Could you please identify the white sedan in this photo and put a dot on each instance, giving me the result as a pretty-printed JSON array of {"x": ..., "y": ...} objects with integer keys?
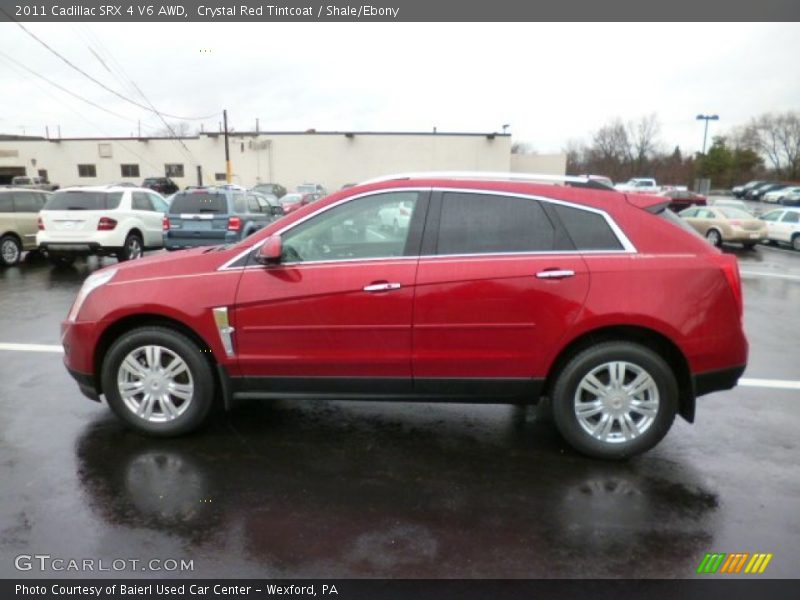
[
  {"x": 783, "y": 226},
  {"x": 775, "y": 195}
]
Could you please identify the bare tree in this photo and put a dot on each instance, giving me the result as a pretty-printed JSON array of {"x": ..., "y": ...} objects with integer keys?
[
  {"x": 777, "y": 137},
  {"x": 643, "y": 140},
  {"x": 175, "y": 129},
  {"x": 522, "y": 148}
]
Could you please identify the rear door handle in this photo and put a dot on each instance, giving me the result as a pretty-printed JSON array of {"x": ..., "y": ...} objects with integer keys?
[
  {"x": 555, "y": 274},
  {"x": 382, "y": 286}
]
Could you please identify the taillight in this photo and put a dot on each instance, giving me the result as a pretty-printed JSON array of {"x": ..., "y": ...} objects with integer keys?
[
  {"x": 165, "y": 223},
  {"x": 106, "y": 224},
  {"x": 40, "y": 224},
  {"x": 234, "y": 224},
  {"x": 730, "y": 267}
]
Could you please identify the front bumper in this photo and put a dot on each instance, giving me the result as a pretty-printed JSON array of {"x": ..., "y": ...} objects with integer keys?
[
  {"x": 86, "y": 384},
  {"x": 79, "y": 340}
]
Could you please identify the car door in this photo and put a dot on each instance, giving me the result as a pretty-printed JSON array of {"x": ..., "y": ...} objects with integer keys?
[
  {"x": 772, "y": 220},
  {"x": 151, "y": 221},
  {"x": 789, "y": 225},
  {"x": 498, "y": 285},
  {"x": 335, "y": 314}
]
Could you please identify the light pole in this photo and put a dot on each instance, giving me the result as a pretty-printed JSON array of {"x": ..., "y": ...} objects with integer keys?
[
  {"x": 706, "y": 118},
  {"x": 506, "y": 126}
]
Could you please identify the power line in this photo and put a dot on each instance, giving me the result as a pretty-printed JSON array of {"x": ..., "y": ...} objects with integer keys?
[
  {"x": 65, "y": 90},
  {"x": 98, "y": 82}
]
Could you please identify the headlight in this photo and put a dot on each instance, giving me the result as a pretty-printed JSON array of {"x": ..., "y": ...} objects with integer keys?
[{"x": 92, "y": 282}]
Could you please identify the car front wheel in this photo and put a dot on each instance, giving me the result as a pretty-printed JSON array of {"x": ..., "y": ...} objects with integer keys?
[
  {"x": 714, "y": 237},
  {"x": 157, "y": 380},
  {"x": 615, "y": 400}
]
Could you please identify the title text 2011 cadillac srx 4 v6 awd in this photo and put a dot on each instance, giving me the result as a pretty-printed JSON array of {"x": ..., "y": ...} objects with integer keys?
[{"x": 495, "y": 289}]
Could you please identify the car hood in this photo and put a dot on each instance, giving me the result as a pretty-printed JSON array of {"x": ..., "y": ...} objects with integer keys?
[{"x": 170, "y": 264}]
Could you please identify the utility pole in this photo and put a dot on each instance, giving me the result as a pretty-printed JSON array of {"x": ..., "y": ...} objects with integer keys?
[
  {"x": 47, "y": 131},
  {"x": 228, "y": 173},
  {"x": 706, "y": 118},
  {"x": 140, "y": 128},
  {"x": 256, "y": 125}
]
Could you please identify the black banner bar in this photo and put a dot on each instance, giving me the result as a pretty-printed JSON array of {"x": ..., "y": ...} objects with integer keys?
[{"x": 397, "y": 10}]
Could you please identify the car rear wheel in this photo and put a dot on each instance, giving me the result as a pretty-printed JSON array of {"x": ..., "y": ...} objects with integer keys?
[
  {"x": 10, "y": 250},
  {"x": 615, "y": 400},
  {"x": 157, "y": 380},
  {"x": 714, "y": 237},
  {"x": 132, "y": 249}
]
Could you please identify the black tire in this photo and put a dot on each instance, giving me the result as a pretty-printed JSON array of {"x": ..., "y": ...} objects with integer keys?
[
  {"x": 10, "y": 251},
  {"x": 202, "y": 397},
  {"x": 566, "y": 388},
  {"x": 133, "y": 248},
  {"x": 796, "y": 241},
  {"x": 749, "y": 245},
  {"x": 715, "y": 237},
  {"x": 61, "y": 260}
]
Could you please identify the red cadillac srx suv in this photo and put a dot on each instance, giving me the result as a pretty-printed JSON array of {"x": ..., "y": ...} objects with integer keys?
[{"x": 498, "y": 288}]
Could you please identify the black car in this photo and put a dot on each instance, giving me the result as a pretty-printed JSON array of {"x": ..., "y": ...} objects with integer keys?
[
  {"x": 274, "y": 189},
  {"x": 740, "y": 191},
  {"x": 163, "y": 185},
  {"x": 211, "y": 216},
  {"x": 757, "y": 192}
]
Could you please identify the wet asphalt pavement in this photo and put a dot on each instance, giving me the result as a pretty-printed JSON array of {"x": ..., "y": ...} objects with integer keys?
[{"x": 354, "y": 489}]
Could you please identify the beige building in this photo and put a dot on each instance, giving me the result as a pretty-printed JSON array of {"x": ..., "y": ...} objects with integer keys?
[{"x": 329, "y": 158}]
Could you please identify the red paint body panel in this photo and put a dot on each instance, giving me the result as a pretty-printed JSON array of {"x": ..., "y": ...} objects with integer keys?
[
  {"x": 317, "y": 320},
  {"x": 491, "y": 316}
]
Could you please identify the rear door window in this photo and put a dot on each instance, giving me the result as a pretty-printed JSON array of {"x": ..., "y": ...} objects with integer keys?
[
  {"x": 83, "y": 200},
  {"x": 473, "y": 223},
  {"x": 27, "y": 202},
  {"x": 141, "y": 201},
  {"x": 198, "y": 203}
]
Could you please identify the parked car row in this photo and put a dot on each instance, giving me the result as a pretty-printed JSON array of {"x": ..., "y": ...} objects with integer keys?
[{"x": 776, "y": 192}]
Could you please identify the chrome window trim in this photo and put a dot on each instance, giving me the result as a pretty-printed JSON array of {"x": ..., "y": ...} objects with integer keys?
[{"x": 627, "y": 245}]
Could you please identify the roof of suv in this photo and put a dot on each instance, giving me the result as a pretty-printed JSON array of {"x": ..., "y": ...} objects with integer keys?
[{"x": 104, "y": 188}]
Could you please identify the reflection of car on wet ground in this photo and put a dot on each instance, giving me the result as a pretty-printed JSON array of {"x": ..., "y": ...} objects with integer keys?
[
  {"x": 724, "y": 224},
  {"x": 322, "y": 304},
  {"x": 783, "y": 226},
  {"x": 283, "y": 502}
]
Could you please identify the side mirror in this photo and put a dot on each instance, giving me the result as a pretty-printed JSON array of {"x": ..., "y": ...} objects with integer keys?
[{"x": 270, "y": 251}]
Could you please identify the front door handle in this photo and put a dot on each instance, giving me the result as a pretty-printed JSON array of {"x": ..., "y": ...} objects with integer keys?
[
  {"x": 555, "y": 274},
  {"x": 382, "y": 286}
]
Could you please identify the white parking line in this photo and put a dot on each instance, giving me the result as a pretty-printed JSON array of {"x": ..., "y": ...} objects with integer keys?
[
  {"x": 781, "y": 384},
  {"x": 784, "y": 384},
  {"x": 767, "y": 274},
  {"x": 31, "y": 347}
]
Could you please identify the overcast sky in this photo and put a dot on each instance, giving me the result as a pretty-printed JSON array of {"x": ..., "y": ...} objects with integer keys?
[{"x": 550, "y": 82}]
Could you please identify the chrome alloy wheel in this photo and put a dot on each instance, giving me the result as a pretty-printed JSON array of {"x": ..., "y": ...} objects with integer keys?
[
  {"x": 10, "y": 251},
  {"x": 155, "y": 384},
  {"x": 133, "y": 247},
  {"x": 616, "y": 402}
]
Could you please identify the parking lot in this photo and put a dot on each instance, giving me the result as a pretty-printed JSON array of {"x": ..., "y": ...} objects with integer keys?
[{"x": 347, "y": 489}]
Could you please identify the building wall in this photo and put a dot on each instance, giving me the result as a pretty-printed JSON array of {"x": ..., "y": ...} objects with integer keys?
[
  {"x": 544, "y": 164},
  {"x": 331, "y": 159}
]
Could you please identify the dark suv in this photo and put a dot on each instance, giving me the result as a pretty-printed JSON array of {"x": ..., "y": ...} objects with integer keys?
[
  {"x": 211, "y": 216},
  {"x": 162, "y": 185}
]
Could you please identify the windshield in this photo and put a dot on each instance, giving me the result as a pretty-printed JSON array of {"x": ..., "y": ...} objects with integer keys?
[
  {"x": 198, "y": 202},
  {"x": 80, "y": 200}
]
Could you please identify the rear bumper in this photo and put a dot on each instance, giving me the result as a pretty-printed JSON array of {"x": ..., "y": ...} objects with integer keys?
[
  {"x": 190, "y": 241},
  {"x": 715, "y": 381}
]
